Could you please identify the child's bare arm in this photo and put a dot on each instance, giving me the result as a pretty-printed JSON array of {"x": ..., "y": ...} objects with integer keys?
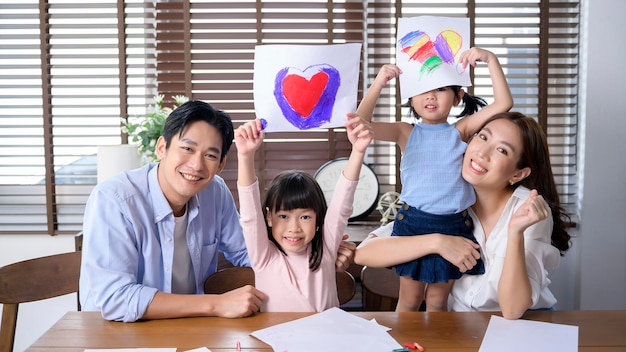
[
  {"x": 385, "y": 131},
  {"x": 367, "y": 105},
  {"x": 503, "y": 100}
]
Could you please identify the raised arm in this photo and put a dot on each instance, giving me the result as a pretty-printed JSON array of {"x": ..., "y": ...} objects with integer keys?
[
  {"x": 384, "y": 131},
  {"x": 514, "y": 288},
  {"x": 502, "y": 98},
  {"x": 248, "y": 138},
  {"x": 367, "y": 105},
  {"x": 360, "y": 135}
]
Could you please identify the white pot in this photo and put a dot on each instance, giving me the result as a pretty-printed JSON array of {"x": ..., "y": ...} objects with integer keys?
[{"x": 113, "y": 159}]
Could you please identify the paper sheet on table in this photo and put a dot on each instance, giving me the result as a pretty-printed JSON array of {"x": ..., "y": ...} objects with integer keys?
[
  {"x": 526, "y": 335},
  {"x": 130, "y": 349},
  {"x": 199, "y": 349},
  {"x": 331, "y": 330}
]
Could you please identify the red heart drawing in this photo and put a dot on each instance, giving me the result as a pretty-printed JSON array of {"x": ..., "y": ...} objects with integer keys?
[{"x": 302, "y": 94}]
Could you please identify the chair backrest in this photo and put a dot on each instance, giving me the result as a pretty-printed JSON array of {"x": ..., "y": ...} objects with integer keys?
[
  {"x": 78, "y": 246},
  {"x": 346, "y": 287},
  {"x": 380, "y": 289},
  {"x": 34, "y": 280},
  {"x": 231, "y": 278},
  {"x": 78, "y": 241},
  {"x": 222, "y": 262},
  {"x": 228, "y": 279}
]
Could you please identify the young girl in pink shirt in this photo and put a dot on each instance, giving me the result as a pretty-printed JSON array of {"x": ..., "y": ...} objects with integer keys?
[{"x": 293, "y": 238}]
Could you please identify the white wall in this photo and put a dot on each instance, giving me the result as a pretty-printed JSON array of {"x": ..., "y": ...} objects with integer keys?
[
  {"x": 592, "y": 274},
  {"x": 603, "y": 211}
]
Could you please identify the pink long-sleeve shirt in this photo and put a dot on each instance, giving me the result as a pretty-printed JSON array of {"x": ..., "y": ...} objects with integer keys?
[{"x": 286, "y": 279}]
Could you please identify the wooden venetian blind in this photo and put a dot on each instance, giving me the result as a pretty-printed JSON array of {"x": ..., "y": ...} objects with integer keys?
[
  {"x": 216, "y": 52},
  {"x": 537, "y": 44},
  {"x": 69, "y": 70}
]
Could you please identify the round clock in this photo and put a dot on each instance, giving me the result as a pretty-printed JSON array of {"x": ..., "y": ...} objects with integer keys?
[{"x": 366, "y": 194}]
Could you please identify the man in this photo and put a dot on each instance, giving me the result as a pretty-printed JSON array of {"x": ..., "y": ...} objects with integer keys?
[{"x": 152, "y": 235}]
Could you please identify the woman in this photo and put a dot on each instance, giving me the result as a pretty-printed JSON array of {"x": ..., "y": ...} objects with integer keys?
[{"x": 520, "y": 234}]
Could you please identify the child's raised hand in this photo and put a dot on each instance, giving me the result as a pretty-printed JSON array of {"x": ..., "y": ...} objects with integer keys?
[
  {"x": 360, "y": 132},
  {"x": 474, "y": 55},
  {"x": 249, "y": 136},
  {"x": 533, "y": 210},
  {"x": 387, "y": 73}
]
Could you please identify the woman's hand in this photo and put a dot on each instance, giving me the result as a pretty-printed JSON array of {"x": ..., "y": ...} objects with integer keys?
[
  {"x": 533, "y": 210},
  {"x": 460, "y": 251}
]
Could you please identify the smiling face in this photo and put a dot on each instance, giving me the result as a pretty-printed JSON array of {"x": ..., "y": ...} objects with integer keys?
[
  {"x": 492, "y": 156},
  {"x": 190, "y": 163},
  {"x": 292, "y": 229},
  {"x": 434, "y": 106},
  {"x": 294, "y": 209}
]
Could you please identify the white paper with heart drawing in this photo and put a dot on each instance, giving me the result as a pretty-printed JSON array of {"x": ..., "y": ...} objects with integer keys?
[
  {"x": 427, "y": 51},
  {"x": 304, "y": 87}
]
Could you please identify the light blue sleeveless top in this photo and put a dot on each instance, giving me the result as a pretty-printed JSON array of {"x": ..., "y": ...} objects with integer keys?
[{"x": 430, "y": 170}]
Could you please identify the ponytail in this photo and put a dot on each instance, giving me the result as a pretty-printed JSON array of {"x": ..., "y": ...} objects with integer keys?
[{"x": 471, "y": 104}]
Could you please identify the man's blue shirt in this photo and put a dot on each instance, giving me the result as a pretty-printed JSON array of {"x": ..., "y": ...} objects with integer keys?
[{"x": 128, "y": 245}]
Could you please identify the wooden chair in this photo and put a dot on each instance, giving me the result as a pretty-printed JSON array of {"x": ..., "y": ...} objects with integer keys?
[
  {"x": 346, "y": 287},
  {"x": 231, "y": 278},
  {"x": 78, "y": 246},
  {"x": 34, "y": 280},
  {"x": 380, "y": 289},
  {"x": 222, "y": 262},
  {"x": 78, "y": 241},
  {"x": 228, "y": 279}
]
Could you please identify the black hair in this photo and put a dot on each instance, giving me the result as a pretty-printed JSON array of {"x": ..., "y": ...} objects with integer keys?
[
  {"x": 196, "y": 110},
  {"x": 471, "y": 104},
  {"x": 294, "y": 189}
]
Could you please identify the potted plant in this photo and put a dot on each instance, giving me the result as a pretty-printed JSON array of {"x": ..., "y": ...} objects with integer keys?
[{"x": 145, "y": 130}]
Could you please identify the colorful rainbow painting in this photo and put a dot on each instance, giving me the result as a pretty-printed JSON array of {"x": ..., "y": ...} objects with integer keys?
[
  {"x": 307, "y": 97},
  {"x": 431, "y": 55}
]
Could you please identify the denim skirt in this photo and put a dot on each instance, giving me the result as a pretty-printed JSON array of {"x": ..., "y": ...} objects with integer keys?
[{"x": 433, "y": 268}]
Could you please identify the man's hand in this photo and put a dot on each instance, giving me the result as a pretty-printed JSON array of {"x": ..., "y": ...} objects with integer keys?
[
  {"x": 345, "y": 255},
  {"x": 238, "y": 303}
]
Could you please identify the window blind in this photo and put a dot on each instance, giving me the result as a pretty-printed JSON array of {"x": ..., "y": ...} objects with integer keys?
[
  {"x": 536, "y": 42},
  {"x": 70, "y": 70},
  {"x": 219, "y": 56}
]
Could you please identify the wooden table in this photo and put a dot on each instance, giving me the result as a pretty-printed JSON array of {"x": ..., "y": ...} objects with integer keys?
[
  {"x": 602, "y": 331},
  {"x": 359, "y": 230}
]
